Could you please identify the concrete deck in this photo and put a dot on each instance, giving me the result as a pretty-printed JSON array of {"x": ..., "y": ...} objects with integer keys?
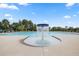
[{"x": 13, "y": 46}]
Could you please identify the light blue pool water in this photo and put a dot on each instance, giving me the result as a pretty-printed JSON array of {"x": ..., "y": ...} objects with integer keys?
[
  {"x": 39, "y": 39},
  {"x": 35, "y": 33}
]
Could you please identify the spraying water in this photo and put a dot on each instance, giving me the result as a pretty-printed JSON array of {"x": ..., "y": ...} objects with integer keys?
[{"x": 42, "y": 38}]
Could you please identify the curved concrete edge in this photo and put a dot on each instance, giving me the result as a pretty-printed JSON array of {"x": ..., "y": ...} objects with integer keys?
[
  {"x": 33, "y": 45},
  {"x": 22, "y": 41},
  {"x": 57, "y": 38}
]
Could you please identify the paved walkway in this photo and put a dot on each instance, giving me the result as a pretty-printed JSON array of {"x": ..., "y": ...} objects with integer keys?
[{"x": 12, "y": 46}]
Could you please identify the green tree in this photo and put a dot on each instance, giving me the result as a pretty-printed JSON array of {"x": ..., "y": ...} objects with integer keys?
[
  {"x": 76, "y": 29},
  {"x": 0, "y": 25},
  {"x": 20, "y": 27},
  {"x": 34, "y": 27},
  {"x": 15, "y": 26},
  {"x": 30, "y": 25},
  {"x": 25, "y": 23},
  {"x": 5, "y": 25},
  {"x": 70, "y": 29}
]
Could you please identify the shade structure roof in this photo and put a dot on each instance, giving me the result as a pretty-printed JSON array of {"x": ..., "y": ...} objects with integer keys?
[{"x": 42, "y": 25}]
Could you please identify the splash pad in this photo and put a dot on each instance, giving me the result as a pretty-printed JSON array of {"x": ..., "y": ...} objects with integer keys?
[{"x": 41, "y": 38}]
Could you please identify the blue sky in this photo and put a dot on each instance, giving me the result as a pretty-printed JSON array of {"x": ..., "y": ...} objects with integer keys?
[{"x": 55, "y": 14}]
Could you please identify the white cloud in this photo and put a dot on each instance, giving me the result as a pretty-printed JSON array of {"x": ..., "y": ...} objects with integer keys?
[
  {"x": 69, "y": 22},
  {"x": 67, "y": 17},
  {"x": 33, "y": 13},
  {"x": 8, "y": 15},
  {"x": 78, "y": 12},
  {"x": 7, "y": 6},
  {"x": 70, "y": 4},
  {"x": 24, "y": 4},
  {"x": 11, "y": 18},
  {"x": 57, "y": 25},
  {"x": 45, "y": 21},
  {"x": 74, "y": 15}
]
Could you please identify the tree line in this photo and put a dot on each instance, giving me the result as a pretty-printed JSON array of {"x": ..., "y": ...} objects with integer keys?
[
  {"x": 24, "y": 25},
  {"x": 28, "y": 25},
  {"x": 66, "y": 29}
]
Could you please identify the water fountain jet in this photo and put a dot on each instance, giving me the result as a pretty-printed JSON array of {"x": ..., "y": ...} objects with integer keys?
[{"x": 42, "y": 38}]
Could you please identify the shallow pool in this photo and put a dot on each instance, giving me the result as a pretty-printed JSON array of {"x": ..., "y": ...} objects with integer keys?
[{"x": 35, "y": 33}]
